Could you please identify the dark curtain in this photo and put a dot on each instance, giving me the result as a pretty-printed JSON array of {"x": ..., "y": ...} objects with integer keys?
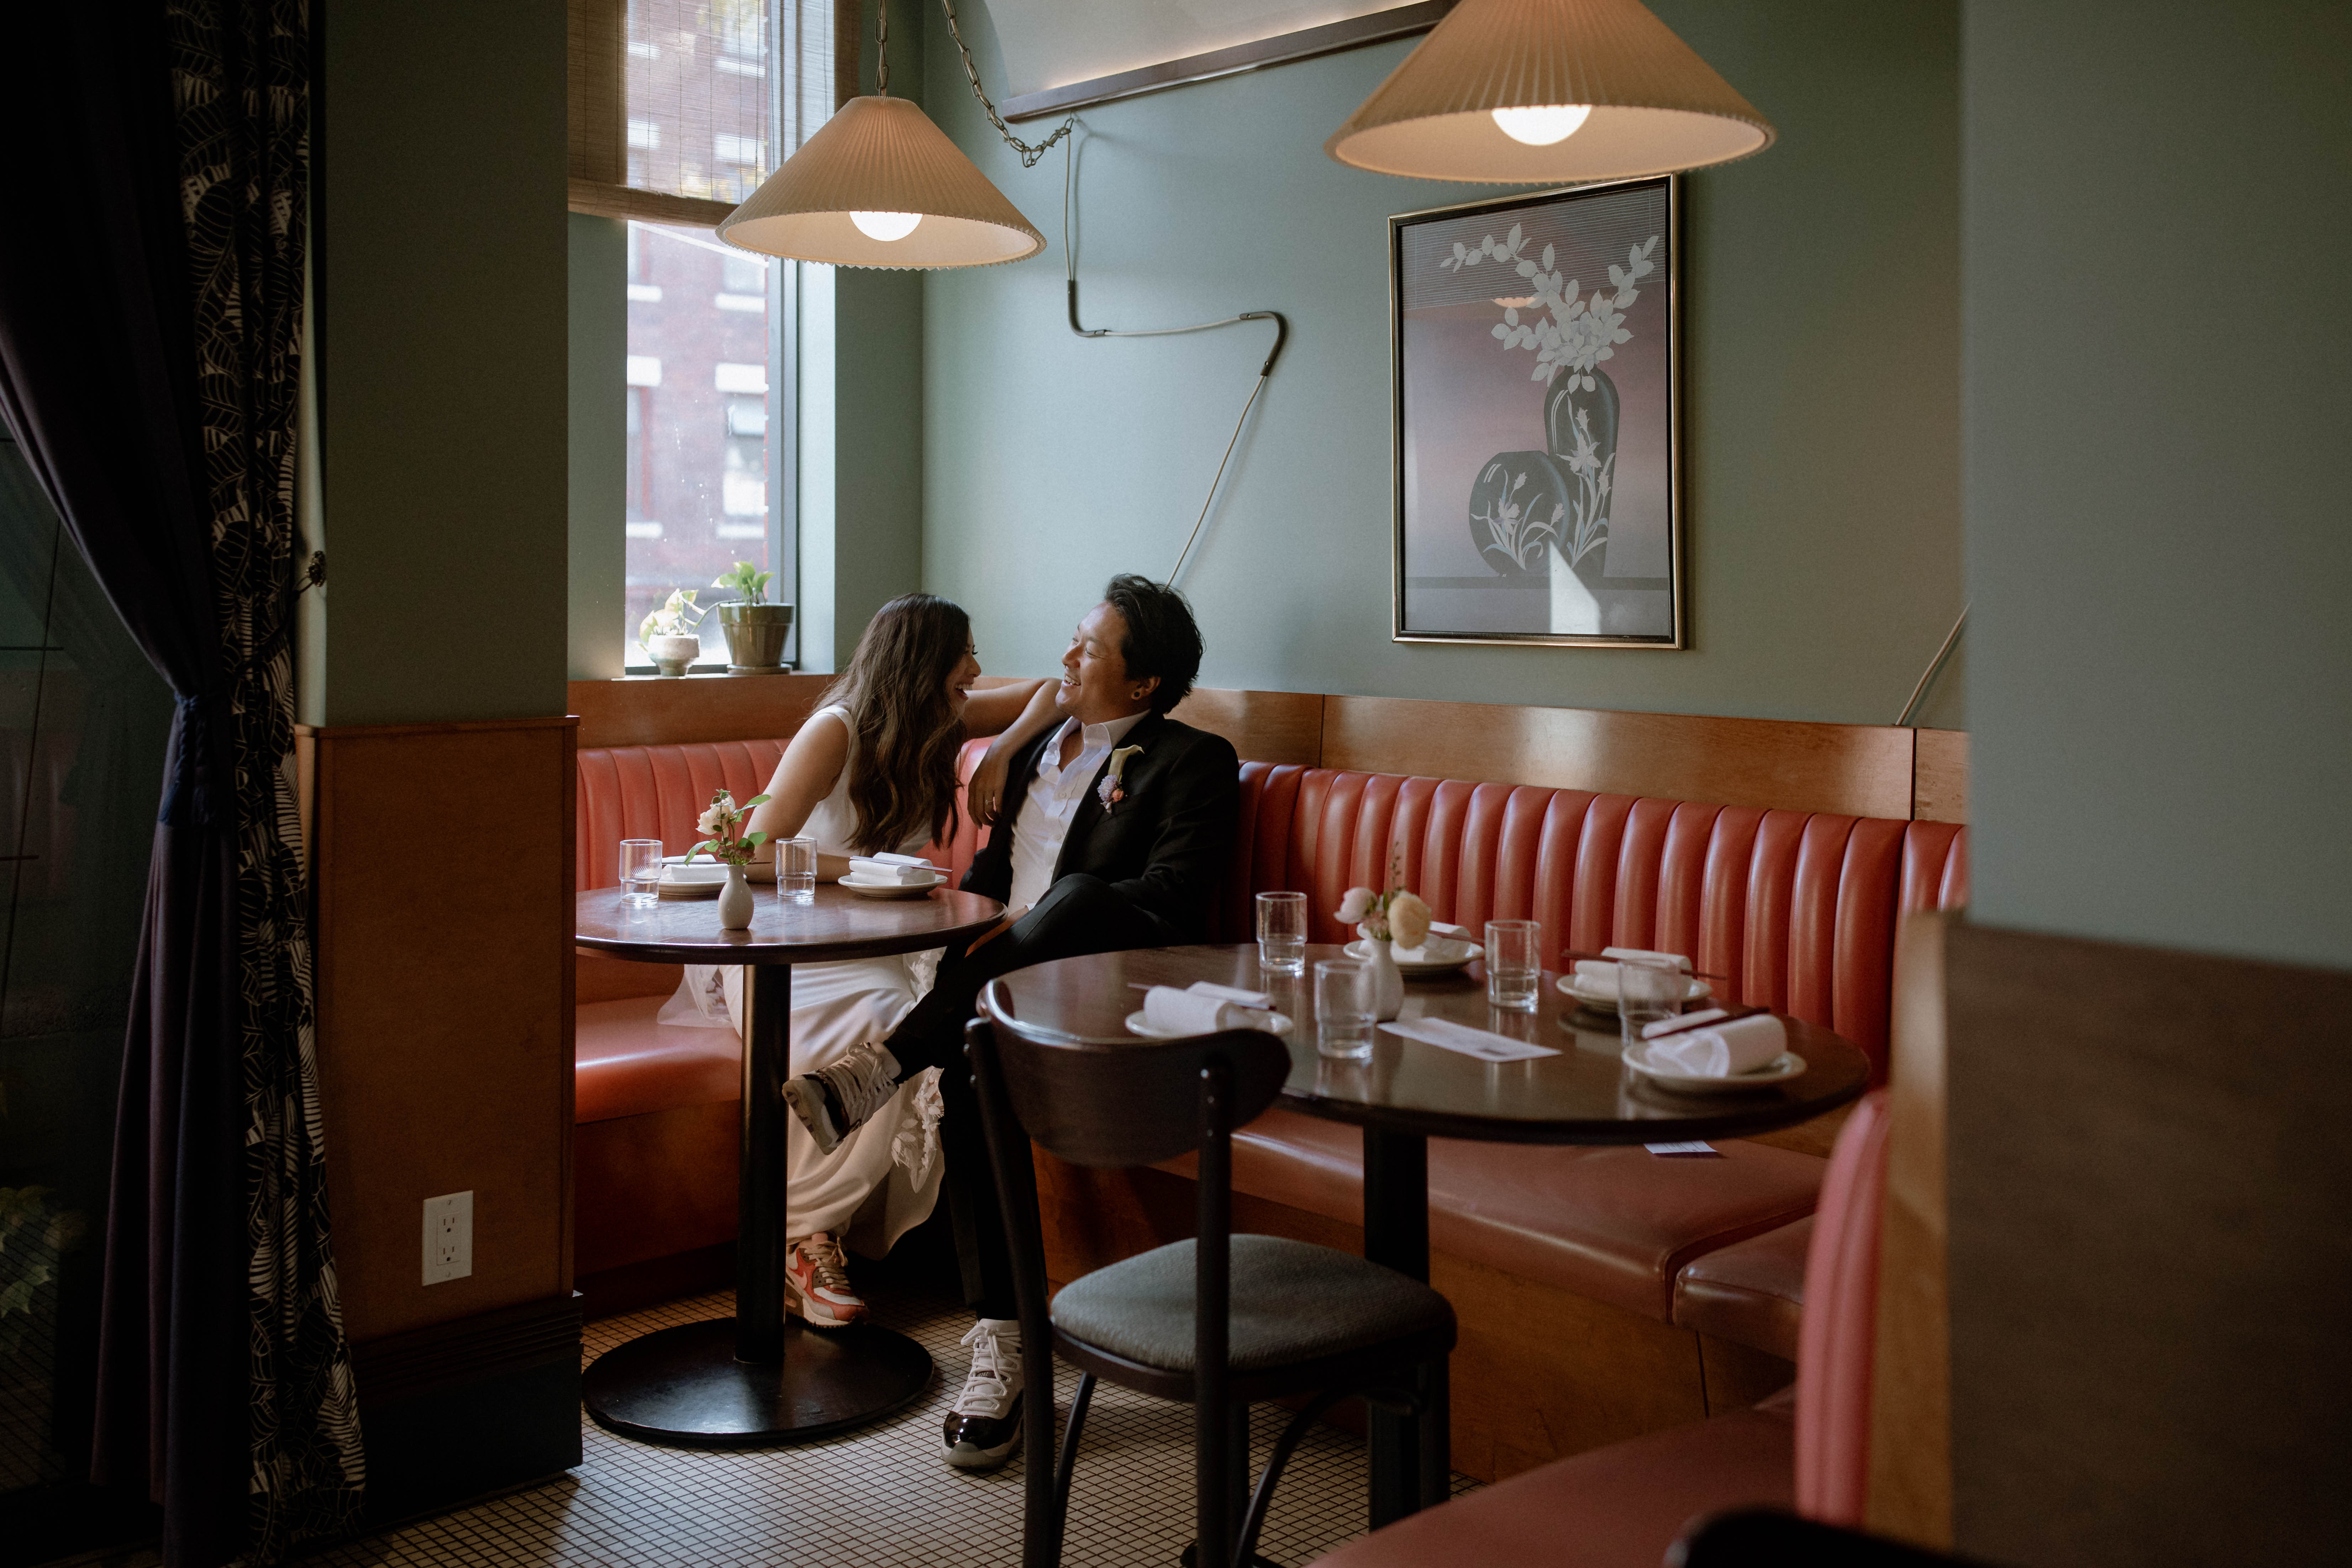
[{"x": 150, "y": 333}]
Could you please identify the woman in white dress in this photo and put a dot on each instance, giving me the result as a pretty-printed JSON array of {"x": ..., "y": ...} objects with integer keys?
[{"x": 872, "y": 771}]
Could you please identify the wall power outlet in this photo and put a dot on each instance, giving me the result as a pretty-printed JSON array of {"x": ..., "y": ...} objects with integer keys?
[{"x": 448, "y": 1237}]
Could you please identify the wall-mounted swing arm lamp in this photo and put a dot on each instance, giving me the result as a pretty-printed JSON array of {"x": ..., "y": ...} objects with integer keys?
[{"x": 1550, "y": 92}]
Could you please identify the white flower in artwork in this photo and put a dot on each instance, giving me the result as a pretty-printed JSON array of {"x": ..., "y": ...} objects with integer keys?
[{"x": 1570, "y": 331}]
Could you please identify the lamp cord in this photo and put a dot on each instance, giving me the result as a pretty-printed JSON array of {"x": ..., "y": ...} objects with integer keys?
[
  {"x": 1029, "y": 156},
  {"x": 1935, "y": 667}
]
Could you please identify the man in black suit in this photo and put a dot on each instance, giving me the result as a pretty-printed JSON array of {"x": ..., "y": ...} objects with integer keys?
[{"x": 1115, "y": 827}]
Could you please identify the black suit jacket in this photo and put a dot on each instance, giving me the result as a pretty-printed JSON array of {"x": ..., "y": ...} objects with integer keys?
[{"x": 1163, "y": 848}]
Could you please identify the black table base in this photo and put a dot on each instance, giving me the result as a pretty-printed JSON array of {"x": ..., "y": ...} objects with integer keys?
[{"x": 684, "y": 1388}]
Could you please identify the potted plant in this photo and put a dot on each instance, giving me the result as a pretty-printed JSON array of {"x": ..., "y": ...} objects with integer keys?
[
  {"x": 668, "y": 633},
  {"x": 755, "y": 628}
]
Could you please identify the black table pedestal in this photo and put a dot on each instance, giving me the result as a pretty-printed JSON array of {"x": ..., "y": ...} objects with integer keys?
[
  {"x": 683, "y": 1386},
  {"x": 1396, "y": 1236},
  {"x": 756, "y": 1379}
]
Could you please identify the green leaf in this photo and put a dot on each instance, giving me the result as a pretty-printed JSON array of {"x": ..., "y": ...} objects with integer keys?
[
  {"x": 752, "y": 840},
  {"x": 755, "y": 800}
]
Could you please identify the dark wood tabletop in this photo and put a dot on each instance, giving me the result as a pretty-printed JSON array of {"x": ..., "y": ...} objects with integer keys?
[
  {"x": 838, "y": 925},
  {"x": 1583, "y": 1095}
]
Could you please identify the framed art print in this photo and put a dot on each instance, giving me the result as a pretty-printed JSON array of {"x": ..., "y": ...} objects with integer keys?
[{"x": 1537, "y": 441}]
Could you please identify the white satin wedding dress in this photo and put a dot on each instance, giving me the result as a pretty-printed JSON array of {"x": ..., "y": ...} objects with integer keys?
[{"x": 883, "y": 1178}]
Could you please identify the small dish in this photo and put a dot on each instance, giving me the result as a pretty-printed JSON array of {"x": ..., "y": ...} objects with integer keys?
[
  {"x": 672, "y": 891},
  {"x": 1137, "y": 1024},
  {"x": 1455, "y": 955},
  {"x": 865, "y": 889},
  {"x": 1601, "y": 1001},
  {"x": 1780, "y": 1069}
]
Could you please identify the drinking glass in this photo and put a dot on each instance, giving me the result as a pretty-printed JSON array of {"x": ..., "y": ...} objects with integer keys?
[
  {"x": 1343, "y": 1008},
  {"x": 797, "y": 870},
  {"x": 641, "y": 869},
  {"x": 1649, "y": 991},
  {"x": 1282, "y": 932},
  {"x": 1514, "y": 964}
]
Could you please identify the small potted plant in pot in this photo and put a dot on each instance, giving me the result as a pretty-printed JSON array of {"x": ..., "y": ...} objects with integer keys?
[
  {"x": 755, "y": 628},
  {"x": 668, "y": 633}
]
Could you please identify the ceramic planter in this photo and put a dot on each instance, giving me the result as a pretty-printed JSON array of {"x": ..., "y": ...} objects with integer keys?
[
  {"x": 671, "y": 655},
  {"x": 755, "y": 635}
]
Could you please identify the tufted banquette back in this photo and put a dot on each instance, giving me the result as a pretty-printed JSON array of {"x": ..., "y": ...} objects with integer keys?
[{"x": 1797, "y": 909}]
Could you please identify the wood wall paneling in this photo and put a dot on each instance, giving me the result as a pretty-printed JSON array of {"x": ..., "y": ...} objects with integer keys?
[
  {"x": 646, "y": 710},
  {"x": 1910, "y": 1494},
  {"x": 1865, "y": 770},
  {"x": 1263, "y": 726},
  {"x": 2148, "y": 1253},
  {"x": 444, "y": 985},
  {"x": 1939, "y": 790}
]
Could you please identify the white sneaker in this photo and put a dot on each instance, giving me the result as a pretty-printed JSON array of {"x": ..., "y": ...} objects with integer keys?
[
  {"x": 984, "y": 1426},
  {"x": 835, "y": 1102}
]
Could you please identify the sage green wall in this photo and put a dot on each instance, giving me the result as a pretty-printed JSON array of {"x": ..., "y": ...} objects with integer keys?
[
  {"x": 1821, "y": 351},
  {"x": 439, "y": 281},
  {"x": 599, "y": 327},
  {"x": 2156, "y": 513},
  {"x": 862, "y": 452}
]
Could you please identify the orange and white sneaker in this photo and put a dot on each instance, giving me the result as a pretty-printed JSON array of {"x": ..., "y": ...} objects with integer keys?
[{"x": 817, "y": 1283}]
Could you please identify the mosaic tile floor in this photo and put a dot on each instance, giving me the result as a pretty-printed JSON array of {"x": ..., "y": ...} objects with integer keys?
[{"x": 877, "y": 1497}]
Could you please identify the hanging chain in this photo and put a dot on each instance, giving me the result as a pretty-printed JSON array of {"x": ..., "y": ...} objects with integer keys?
[
  {"x": 882, "y": 47},
  {"x": 1029, "y": 155}
]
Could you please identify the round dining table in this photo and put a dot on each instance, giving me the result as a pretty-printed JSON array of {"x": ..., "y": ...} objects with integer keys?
[
  {"x": 1409, "y": 1091},
  {"x": 759, "y": 1378}
]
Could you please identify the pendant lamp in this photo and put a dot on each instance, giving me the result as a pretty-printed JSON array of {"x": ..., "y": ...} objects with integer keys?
[{"x": 1549, "y": 92}]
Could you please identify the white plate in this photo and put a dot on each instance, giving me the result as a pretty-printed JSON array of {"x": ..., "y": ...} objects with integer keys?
[
  {"x": 864, "y": 890},
  {"x": 1137, "y": 1024},
  {"x": 1465, "y": 951},
  {"x": 1606, "y": 1001},
  {"x": 1780, "y": 1069}
]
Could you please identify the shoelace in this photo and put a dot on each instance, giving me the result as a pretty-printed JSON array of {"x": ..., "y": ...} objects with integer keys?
[
  {"x": 860, "y": 1085},
  {"x": 988, "y": 1388},
  {"x": 828, "y": 1269}
]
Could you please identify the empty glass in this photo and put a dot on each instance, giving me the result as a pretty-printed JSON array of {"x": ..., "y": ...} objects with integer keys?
[
  {"x": 797, "y": 870},
  {"x": 1344, "y": 1002},
  {"x": 641, "y": 869},
  {"x": 1282, "y": 932},
  {"x": 1514, "y": 964},
  {"x": 1649, "y": 991}
]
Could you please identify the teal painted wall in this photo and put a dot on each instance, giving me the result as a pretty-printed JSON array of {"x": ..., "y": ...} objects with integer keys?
[
  {"x": 2157, "y": 331},
  {"x": 597, "y": 302},
  {"x": 1821, "y": 355},
  {"x": 440, "y": 285}
]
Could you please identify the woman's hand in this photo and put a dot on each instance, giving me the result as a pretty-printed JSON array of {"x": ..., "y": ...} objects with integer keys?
[{"x": 986, "y": 793}]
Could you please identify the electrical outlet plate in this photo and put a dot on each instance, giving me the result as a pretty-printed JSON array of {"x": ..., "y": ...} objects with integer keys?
[{"x": 448, "y": 1237}]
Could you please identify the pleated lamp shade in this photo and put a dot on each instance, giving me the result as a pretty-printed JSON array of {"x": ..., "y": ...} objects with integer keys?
[
  {"x": 1655, "y": 107},
  {"x": 881, "y": 156}
]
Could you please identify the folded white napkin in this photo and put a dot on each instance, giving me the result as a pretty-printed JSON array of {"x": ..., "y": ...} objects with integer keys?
[
  {"x": 1741, "y": 1046},
  {"x": 903, "y": 870},
  {"x": 699, "y": 871},
  {"x": 1676, "y": 958},
  {"x": 1599, "y": 974},
  {"x": 1260, "y": 1000},
  {"x": 1434, "y": 947},
  {"x": 1197, "y": 1011}
]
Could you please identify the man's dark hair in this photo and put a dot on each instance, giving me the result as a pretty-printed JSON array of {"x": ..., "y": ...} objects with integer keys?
[{"x": 1160, "y": 638}]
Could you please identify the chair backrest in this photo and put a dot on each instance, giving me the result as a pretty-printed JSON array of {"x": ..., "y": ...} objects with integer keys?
[
  {"x": 1837, "y": 1340},
  {"x": 1127, "y": 1102}
]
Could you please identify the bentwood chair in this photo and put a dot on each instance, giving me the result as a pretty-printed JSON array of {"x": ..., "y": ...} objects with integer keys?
[{"x": 1221, "y": 1323}]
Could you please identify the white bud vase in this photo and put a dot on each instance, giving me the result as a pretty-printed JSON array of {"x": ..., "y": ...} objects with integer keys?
[
  {"x": 1388, "y": 985},
  {"x": 735, "y": 901}
]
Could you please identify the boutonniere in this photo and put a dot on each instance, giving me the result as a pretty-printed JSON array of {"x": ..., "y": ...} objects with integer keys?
[{"x": 1110, "y": 792}]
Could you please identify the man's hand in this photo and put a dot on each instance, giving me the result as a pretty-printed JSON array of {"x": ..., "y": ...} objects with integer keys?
[{"x": 986, "y": 793}]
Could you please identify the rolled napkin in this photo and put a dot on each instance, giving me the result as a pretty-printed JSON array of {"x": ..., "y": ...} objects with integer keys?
[
  {"x": 903, "y": 870},
  {"x": 1720, "y": 1050},
  {"x": 1257, "y": 999},
  {"x": 1438, "y": 935},
  {"x": 1676, "y": 958},
  {"x": 1193, "y": 1012}
]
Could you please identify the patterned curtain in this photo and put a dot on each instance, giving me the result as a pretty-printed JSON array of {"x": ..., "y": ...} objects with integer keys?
[{"x": 240, "y": 88}]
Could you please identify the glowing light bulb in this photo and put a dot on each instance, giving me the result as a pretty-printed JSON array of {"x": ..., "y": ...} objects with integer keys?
[
  {"x": 887, "y": 226},
  {"x": 1542, "y": 127}
]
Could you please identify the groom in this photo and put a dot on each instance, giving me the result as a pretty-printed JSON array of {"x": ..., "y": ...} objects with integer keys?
[{"x": 1115, "y": 828}]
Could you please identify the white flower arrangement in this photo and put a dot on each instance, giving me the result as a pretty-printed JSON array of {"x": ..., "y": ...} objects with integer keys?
[
  {"x": 1570, "y": 331},
  {"x": 1396, "y": 915},
  {"x": 722, "y": 825}
]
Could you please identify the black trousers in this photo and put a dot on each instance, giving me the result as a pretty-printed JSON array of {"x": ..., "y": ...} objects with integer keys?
[{"x": 1079, "y": 914}]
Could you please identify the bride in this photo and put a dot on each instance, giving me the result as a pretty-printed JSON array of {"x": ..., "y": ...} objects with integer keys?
[{"x": 872, "y": 771}]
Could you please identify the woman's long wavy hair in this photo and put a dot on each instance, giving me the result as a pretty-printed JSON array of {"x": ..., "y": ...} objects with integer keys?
[{"x": 902, "y": 775}]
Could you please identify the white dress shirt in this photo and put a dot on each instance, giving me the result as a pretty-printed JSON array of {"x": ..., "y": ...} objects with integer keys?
[{"x": 1053, "y": 799}]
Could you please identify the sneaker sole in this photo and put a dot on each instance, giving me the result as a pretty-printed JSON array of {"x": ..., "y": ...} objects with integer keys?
[
  {"x": 797, "y": 1305},
  {"x": 964, "y": 1456}
]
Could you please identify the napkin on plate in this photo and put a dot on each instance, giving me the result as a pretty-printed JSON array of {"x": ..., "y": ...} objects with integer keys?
[
  {"x": 1200, "y": 1011},
  {"x": 697, "y": 872},
  {"x": 1676, "y": 958},
  {"x": 1743, "y": 1045},
  {"x": 904, "y": 870}
]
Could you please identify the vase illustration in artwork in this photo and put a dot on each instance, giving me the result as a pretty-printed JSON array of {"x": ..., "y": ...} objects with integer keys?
[{"x": 1527, "y": 506}]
